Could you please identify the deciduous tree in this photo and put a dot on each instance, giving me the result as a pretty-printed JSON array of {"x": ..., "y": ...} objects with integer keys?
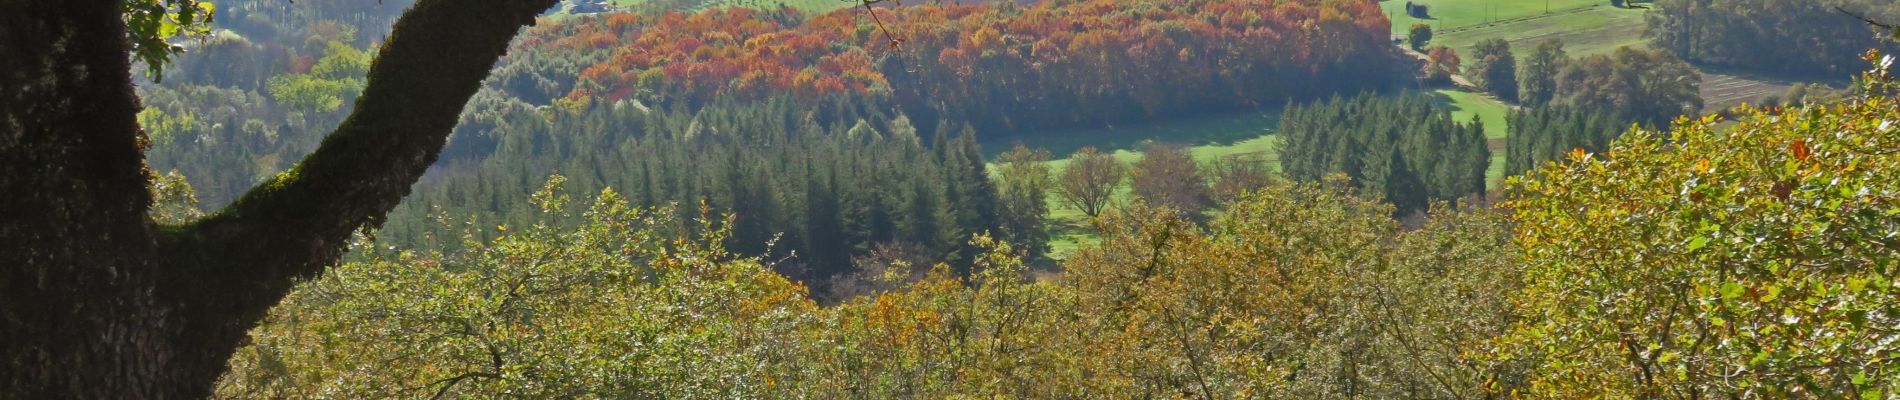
[
  {"x": 1648, "y": 86},
  {"x": 1494, "y": 68},
  {"x": 1444, "y": 64},
  {"x": 1167, "y": 176},
  {"x": 1089, "y": 181},
  {"x": 1537, "y": 79},
  {"x": 1419, "y": 35},
  {"x": 1235, "y": 176},
  {"x": 1754, "y": 260}
]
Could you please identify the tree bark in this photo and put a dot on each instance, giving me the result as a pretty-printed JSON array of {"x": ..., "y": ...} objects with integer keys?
[{"x": 97, "y": 301}]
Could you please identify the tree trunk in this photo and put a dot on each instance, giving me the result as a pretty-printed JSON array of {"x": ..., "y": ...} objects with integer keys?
[{"x": 97, "y": 301}]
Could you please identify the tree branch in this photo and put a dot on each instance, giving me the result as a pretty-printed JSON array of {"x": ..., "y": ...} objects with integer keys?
[
  {"x": 1869, "y": 21},
  {"x": 238, "y": 263}
]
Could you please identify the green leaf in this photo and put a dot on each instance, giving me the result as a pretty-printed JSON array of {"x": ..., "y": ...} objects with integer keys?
[
  {"x": 1698, "y": 243},
  {"x": 1731, "y": 291}
]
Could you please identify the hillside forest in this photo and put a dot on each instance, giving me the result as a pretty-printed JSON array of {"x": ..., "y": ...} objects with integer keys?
[{"x": 1201, "y": 199}]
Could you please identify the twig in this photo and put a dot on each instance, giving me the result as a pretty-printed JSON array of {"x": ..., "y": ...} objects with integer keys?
[
  {"x": 1869, "y": 21},
  {"x": 896, "y": 42}
]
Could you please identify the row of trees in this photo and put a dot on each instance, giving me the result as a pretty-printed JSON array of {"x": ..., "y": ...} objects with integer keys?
[
  {"x": 1648, "y": 86},
  {"x": 1403, "y": 150},
  {"x": 1782, "y": 36},
  {"x": 819, "y": 190},
  {"x": 1540, "y": 135}
]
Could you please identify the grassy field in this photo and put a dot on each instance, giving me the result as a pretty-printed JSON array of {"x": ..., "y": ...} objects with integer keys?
[
  {"x": 1209, "y": 138},
  {"x": 1213, "y": 138},
  {"x": 1585, "y": 26},
  {"x": 1452, "y": 15},
  {"x": 1490, "y": 111}
]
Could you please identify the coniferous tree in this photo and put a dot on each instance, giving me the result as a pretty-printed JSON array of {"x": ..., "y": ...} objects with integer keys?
[
  {"x": 1401, "y": 149},
  {"x": 1544, "y": 134},
  {"x": 1022, "y": 182}
]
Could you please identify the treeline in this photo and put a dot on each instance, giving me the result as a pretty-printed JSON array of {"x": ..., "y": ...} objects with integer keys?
[
  {"x": 1570, "y": 104},
  {"x": 819, "y": 183},
  {"x": 1648, "y": 86},
  {"x": 1399, "y": 149},
  {"x": 999, "y": 65},
  {"x": 1543, "y": 134},
  {"x": 1782, "y": 36}
]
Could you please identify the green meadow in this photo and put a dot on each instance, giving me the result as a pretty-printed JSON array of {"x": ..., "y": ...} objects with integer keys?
[{"x": 1212, "y": 138}]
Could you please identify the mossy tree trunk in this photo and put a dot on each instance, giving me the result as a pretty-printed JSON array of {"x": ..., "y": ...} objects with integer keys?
[{"x": 96, "y": 300}]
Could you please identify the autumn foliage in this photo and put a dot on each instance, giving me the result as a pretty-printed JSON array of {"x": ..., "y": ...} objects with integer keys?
[{"x": 993, "y": 64}]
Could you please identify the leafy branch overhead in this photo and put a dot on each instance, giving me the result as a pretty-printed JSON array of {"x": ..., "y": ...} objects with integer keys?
[{"x": 151, "y": 25}]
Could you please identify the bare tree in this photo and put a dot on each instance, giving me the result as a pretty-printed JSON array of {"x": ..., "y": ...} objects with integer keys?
[
  {"x": 1234, "y": 176},
  {"x": 1167, "y": 176},
  {"x": 886, "y": 267},
  {"x": 1089, "y": 182}
]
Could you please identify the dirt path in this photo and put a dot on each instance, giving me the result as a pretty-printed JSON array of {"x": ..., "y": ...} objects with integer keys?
[{"x": 1458, "y": 80}]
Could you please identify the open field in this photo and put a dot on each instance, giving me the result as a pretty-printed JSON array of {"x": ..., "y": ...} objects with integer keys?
[
  {"x": 1720, "y": 92},
  {"x": 1585, "y": 26},
  {"x": 1213, "y": 138},
  {"x": 1246, "y": 134},
  {"x": 1451, "y": 15},
  {"x": 1591, "y": 29},
  {"x": 1465, "y": 105}
]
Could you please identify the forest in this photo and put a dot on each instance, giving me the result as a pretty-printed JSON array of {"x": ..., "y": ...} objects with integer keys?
[
  {"x": 1003, "y": 199},
  {"x": 995, "y": 65},
  {"x": 1798, "y": 37}
]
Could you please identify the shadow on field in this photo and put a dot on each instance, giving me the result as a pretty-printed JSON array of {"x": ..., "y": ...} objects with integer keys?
[{"x": 1213, "y": 130}]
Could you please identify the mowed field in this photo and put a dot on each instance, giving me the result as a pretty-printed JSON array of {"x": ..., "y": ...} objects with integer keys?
[{"x": 1489, "y": 111}]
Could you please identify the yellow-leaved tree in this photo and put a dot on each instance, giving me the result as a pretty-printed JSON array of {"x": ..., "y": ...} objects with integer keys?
[{"x": 1756, "y": 260}]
